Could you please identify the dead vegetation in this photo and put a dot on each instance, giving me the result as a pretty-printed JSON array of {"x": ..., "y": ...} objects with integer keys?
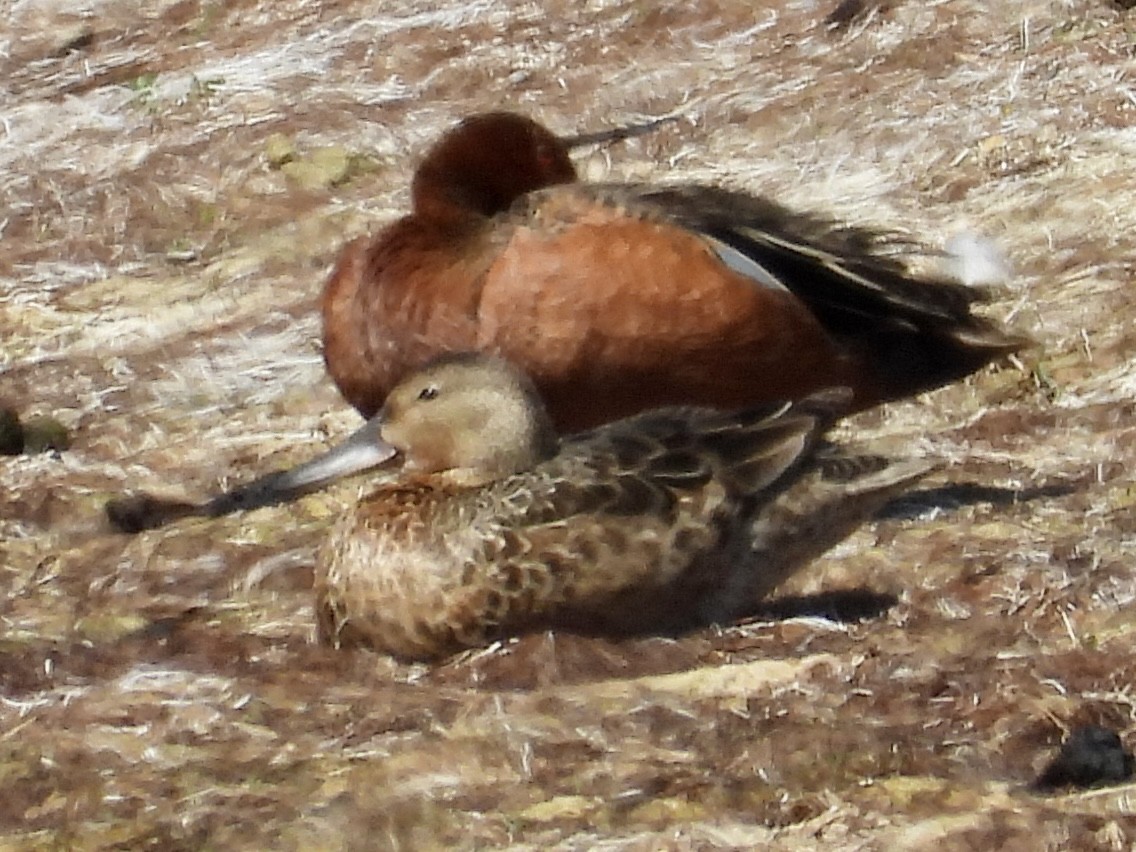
[{"x": 158, "y": 277}]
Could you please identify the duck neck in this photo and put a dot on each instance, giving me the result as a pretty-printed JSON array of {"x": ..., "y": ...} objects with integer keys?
[{"x": 455, "y": 201}]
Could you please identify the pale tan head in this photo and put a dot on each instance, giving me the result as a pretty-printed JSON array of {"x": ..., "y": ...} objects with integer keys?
[
  {"x": 471, "y": 417},
  {"x": 471, "y": 413}
]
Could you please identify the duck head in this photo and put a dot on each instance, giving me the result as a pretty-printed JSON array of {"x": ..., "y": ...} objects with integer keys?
[
  {"x": 486, "y": 163},
  {"x": 470, "y": 412},
  {"x": 489, "y": 160},
  {"x": 471, "y": 418}
]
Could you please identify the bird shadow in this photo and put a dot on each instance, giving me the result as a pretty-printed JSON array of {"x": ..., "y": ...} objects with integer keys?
[
  {"x": 845, "y": 606},
  {"x": 955, "y": 495}
]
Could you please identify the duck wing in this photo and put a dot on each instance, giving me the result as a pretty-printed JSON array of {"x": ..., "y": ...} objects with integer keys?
[{"x": 916, "y": 332}]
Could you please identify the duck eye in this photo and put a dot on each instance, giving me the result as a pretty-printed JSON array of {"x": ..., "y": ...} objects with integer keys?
[{"x": 427, "y": 393}]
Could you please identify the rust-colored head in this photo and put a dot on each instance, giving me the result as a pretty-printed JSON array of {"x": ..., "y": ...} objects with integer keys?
[{"x": 485, "y": 164}]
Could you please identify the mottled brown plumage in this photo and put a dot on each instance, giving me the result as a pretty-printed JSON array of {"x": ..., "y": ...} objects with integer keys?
[{"x": 657, "y": 523}]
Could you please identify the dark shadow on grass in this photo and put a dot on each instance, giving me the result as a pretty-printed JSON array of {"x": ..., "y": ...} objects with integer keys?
[
  {"x": 843, "y": 605},
  {"x": 549, "y": 658},
  {"x": 955, "y": 495}
]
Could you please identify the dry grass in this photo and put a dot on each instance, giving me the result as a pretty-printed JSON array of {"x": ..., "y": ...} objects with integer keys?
[{"x": 158, "y": 279}]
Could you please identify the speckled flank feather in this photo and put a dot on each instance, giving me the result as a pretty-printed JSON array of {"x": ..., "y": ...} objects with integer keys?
[{"x": 657, "y": 523}]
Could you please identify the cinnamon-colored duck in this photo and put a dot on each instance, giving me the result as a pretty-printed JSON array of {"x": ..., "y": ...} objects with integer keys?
[
  {"x": 617, "y": 298},
  {"x": 660, "y": 522}
]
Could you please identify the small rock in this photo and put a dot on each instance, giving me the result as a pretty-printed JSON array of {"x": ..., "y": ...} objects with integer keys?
[
  {"x": 334, "y": 161},
  {"x": 278, "y": 150},
  {"x": 105, "y": 628},
  {"x": 1090, "y": 756},
  {"x": 559, "y": 807},
  {"x": 325, "y": 167},
  {"x": 11, "y": 433}
]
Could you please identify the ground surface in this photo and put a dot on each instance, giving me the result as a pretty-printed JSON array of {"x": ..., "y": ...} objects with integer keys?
[{"x": 158, "y": 281}]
